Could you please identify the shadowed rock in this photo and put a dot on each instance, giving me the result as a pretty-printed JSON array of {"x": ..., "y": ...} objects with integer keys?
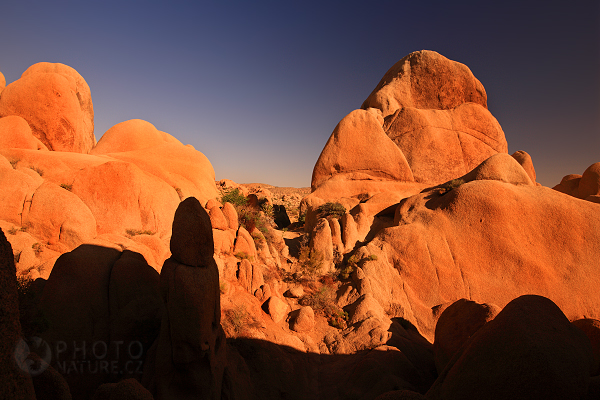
[
  {"x": 190, "y": 350},
  {"x": 192, "y": 241},
  {"x": 14, "y": 382},
  {"x": 529, "y": 351}
]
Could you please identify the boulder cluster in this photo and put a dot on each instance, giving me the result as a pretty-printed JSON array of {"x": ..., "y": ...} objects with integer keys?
[
  {"x": 426, "y": 262},
  {"x": 61, "y": 189}
]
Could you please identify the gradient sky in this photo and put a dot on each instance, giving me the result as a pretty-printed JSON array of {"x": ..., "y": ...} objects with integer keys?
[{"x": 258, "y": 86}]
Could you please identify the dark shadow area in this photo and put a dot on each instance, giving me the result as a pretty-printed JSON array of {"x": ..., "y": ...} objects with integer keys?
[
  {"x": 259, "y": 369},
  {"x": 294, "y": 245}
]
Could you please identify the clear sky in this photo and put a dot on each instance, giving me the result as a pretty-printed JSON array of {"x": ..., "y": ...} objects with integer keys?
[{"x": 258, "y": 86}]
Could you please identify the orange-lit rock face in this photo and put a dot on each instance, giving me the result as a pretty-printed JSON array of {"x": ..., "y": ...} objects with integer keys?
[
  {"x": 489, "y": 240},
  {"x": 56, "y": 102},
  {"x": 61, "y": 189},
  {"x": 15, "y": 133},
  {"x": 435, "y": 113}
]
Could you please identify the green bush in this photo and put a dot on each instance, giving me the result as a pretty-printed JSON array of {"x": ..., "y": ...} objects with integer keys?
[
  {"x": 33, "y": 320},
  {"x": 331, "y": 210},
  {"x": 322, "y": 301},
  {"x": 136, "y": 232},
  {"x": 351, "y": 265},
  {"x": 235, "y": 197}
]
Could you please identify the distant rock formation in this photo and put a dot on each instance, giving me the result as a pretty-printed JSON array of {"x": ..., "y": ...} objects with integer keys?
[
  {"x": 426, "y": 121},
  {"x": 585, "y": 187}
]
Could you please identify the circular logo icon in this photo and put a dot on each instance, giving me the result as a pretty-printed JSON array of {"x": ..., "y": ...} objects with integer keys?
[{"x": 33, "y": 356}]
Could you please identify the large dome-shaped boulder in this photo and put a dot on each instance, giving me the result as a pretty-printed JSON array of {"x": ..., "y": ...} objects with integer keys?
[
  {"x": 433, "y": 109},
  {"x": 426, "y": 80},
  {"x": 134, "y": 134},
  {"x": 138, "y": 142},
  {"x": 56, "y": 102}
]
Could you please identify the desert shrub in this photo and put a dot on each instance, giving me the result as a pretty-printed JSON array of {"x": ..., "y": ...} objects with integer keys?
[
  {"x": 33, "y": 321},
  {"x": 235, "y": 197},
  {"x": 331, "y": 210},
  {"x": 243, "y": 256},
  {"x": 302, "y": 218},
  {"x": 237, "y": 320},
  {"x": 13, "y": 230},
  {"x": 310, "y": 261},
  {"x": 179, "y": 193},
  {"x": 136, "y": 232},
  {"x": 66, "y": 186},
  {"x": 37, "y": 248},
  {"x": 322, "y": 301},
  {"x": 38, "y": 170},
  {"x": 14, "y": 163},
  {"x": 222, "y": 287},
  {"x": 345, "y": 271},
  {"x": 23, "y": 229}
]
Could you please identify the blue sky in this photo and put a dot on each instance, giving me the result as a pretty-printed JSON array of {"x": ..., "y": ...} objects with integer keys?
[{"x": 259, "y": 86}]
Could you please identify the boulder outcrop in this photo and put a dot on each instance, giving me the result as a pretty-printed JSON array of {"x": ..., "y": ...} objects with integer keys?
[
  {"x": 128, "y": 186},
  {"x": 530, "y": 344},
  {"x": 56, "y": 103},
  {"x": 426, "y": 121}
]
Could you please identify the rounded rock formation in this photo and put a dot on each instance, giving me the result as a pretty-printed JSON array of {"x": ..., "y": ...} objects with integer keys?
[{"x": 56, "y": 102}]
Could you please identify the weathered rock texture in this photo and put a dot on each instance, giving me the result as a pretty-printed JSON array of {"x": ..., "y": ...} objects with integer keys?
[{"x": 489, "y": 237}]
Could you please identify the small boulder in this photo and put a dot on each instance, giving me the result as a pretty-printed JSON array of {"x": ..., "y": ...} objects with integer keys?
[
  {"x": 217, "y": 219},
  {"x": 276, "y": 308},
  {"x": 231, "y": 215},
  {"x": 304, "y": 321},
  {"x": 524, "y": 159},
  {"x": 15, "y": 133},
  {"x": 591, "y": 328},
  {"x": 280, "y": 216},
  {"x": 529, "y": 351}
]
